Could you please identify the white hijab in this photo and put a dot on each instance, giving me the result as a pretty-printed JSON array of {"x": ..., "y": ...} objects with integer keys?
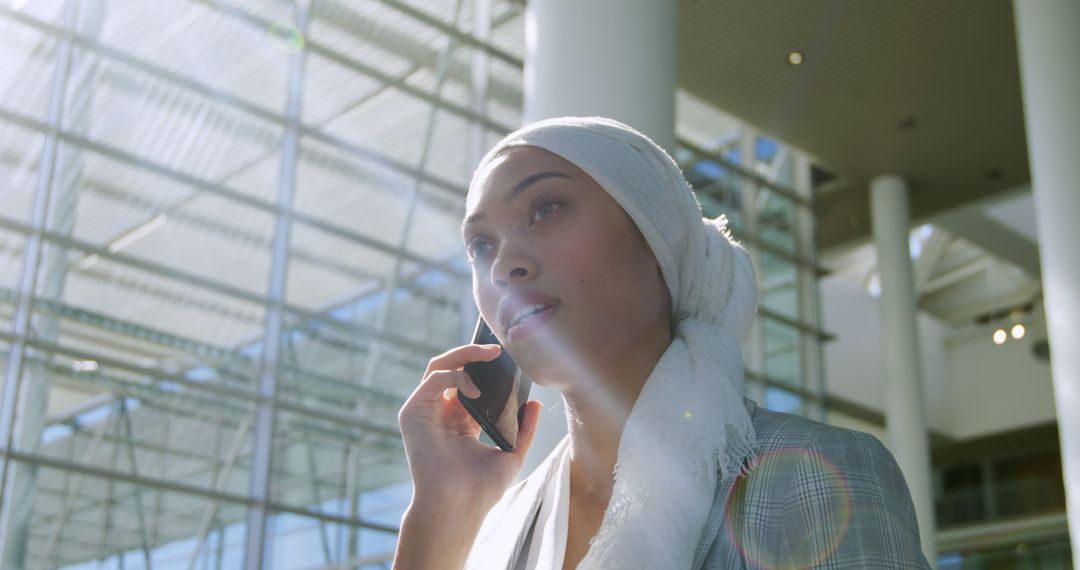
[{"x": 689, "y": 428}]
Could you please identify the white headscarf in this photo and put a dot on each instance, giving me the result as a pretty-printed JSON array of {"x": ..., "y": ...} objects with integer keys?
[{"x": 689, "y": 427}]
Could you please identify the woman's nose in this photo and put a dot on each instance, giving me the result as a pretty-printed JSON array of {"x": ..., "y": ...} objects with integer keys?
[{"x": 512, "y": 267}]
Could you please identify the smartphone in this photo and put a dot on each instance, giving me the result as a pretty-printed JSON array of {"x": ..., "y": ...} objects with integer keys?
[{"x": 503, "y": 392}]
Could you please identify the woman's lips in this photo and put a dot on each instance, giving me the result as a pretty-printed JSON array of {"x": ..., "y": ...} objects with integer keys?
[
  {"x": 517, "y": 304},
  {"x": 529, "y": 324}
]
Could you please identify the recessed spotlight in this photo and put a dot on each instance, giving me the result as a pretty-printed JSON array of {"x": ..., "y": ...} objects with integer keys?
[
  {"x": 1018, "y": 331},
  {"x": 795, "y": 58},
  {"x": 1000, "y": 336}
]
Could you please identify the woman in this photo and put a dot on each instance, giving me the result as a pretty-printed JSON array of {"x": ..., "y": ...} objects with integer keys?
[{"x": 593, "y": 266}]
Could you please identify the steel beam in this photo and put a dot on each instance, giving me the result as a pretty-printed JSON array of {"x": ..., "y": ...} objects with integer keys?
[{"x": 266, "y": 410}]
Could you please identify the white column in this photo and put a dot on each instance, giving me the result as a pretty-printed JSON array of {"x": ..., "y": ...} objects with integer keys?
[
  {"x": 905, "y": 420},
  {"x": 1048, "y": 38},
  {"x": 603, "y": 57},
  {"x": 614, "y": 58}
]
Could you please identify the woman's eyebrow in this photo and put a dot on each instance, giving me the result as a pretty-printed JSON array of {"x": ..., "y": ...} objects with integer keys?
[
  {"x": 516, "y": 190},
  {"x": 530, "y": 180}
]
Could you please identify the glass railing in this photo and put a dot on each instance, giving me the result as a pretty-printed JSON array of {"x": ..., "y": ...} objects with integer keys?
[
  {"x": 1023, "y": 555},
  {"x": 1004, "y": 500}
]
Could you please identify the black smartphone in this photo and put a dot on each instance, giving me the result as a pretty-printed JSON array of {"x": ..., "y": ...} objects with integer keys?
[{"x": 503, "y": 392}]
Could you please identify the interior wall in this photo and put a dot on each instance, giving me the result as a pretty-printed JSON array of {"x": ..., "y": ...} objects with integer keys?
[
  {"x": 998, "y": 388},
  {"x": 853, "y": 362},
  {"x": 971, "y": 386}
]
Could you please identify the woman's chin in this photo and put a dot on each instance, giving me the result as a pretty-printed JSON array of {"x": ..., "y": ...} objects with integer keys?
[{"x": 550, "y": 358}]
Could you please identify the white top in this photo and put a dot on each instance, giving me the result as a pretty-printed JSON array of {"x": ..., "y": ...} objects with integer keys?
[{"x": 547, "y": 541}]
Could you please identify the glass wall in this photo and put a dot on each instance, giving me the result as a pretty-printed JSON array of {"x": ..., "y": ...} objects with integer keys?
[
  {"x": 763, "y": 189},
  {"x": 224, "y": 264},
  {"x": 228, "y": 249}
]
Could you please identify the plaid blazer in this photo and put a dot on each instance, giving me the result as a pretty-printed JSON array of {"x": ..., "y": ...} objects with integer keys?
[{"x": 814, "y": 496}]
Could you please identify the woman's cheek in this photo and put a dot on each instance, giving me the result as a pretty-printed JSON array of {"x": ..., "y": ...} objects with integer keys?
[{"x": 484, "y": 296}]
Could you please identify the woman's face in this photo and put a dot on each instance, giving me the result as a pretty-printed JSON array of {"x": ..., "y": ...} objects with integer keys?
[{"x": 560, "y": 271}]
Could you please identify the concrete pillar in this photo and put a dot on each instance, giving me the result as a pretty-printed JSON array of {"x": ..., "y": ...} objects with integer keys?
[
  {"x": 614, "y": 58},
  {"x": 905, "y": 420},
  {"x": 1048, "y": 38},
  {"x": 603, "y": 57}
]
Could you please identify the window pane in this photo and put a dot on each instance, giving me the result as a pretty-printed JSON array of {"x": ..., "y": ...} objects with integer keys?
[
  {"x": 779, "y": 290},
  {"x": 774, "y": 161},
  {"x": 27, "y": 61},
  {"x": 319, "y": 461},
  {"x": 342, "y": 189},
  {"x": 12, "y": 251},
  {"x": 717, "y": 188},
  {"x": 144, "y": 117},
  {"x": 71, "y": 526},
  {"x": 20, "y": 152},
  {"x": 298, "y": 542},
  {"x": 116, "y": 206},
  {"x": 776, "y": 219},
  {"x": 781, "y": 362},
  {"x": 779, "y": 400},
  {"x": 134, "y": 422},
  {"x": 147, "y": 319},
  {"x": 215, "y": 48}
]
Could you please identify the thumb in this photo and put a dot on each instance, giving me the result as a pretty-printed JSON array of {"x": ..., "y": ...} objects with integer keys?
[{"x": 527, "y": 429}]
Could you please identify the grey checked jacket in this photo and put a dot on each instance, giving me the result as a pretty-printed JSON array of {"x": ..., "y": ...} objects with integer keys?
[{"x": 815, "y": 496}]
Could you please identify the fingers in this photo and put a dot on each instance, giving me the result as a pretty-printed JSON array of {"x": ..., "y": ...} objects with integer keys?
[
  {"x": 455, "y": 358},
  {"x": 527, "y": 429},
  {"x": 438, "y": 382},
  {"x": 443, "y": 376}
]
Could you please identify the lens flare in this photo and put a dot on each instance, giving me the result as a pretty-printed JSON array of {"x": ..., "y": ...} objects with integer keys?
[
  {"x": 294, "y": 40},
  {"x": 810, "y": 540}
]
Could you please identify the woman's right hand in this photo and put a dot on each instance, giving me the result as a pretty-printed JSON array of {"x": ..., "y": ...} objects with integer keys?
[{"x": 447, "y": 460}]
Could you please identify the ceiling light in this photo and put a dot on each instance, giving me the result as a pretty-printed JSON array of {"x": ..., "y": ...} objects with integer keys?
[
  {"x": 84, "y": 365},
  {"x": 138, "y": 233},
  {"x": 795, "y": 58},
  {"x": 1018, "y": 331},
  {"x": 88, "y": 261},
  {"x": 1000, "y": 336}
]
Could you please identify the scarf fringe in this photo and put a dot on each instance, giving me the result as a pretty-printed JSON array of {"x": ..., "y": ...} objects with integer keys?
[{"x": 688, "y": 431}]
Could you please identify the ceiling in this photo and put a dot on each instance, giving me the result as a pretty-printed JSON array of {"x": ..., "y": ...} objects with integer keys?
[{"x": 927, "y": 90}]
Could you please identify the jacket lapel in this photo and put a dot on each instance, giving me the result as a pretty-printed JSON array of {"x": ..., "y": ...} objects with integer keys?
[
  {"x": 716, "y": 512},
  {"x": 502, "y": 537},
  {"x": 505, "y": 530}
]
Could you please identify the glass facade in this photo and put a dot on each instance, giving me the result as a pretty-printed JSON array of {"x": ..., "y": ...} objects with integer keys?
[
  {"x": 228, "y": 248},
  {"x": 764, "y": 190}
]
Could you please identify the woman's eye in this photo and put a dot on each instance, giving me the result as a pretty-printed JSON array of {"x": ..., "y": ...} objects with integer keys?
[
  {"x": 478, "y": 249},
  {"x": 545, "y": 209}
]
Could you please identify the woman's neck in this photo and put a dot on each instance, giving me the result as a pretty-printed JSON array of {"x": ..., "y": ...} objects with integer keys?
[{"x": 596, "y": 415}]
